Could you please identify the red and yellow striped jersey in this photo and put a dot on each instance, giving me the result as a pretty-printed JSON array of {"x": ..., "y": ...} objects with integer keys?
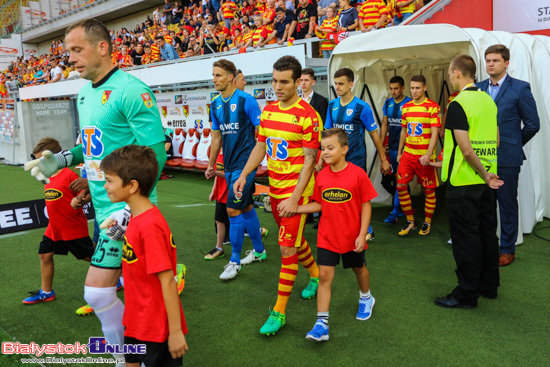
[
  {"x": 419, "y": 119},
  {"x": 270, "y": 15},
  {"x": 115, "y": 56},
  {"x": 327, "y": 45},
  {"x": 286, "y": 131},
  {"x": 247, "y": 37},
  {"x": 257, "y": 34},
  {"x": 228, "y": 9},
  {"x": 406, "y": 9},
  {"x": 125, "y": 61},
  {"x": 168, "y": 39},
  {"x": 145, "y": 59},
  {"x": 371, "y": 11},
  {"x": 260, "y": 5},
  {"x": 155, "y": 52}
]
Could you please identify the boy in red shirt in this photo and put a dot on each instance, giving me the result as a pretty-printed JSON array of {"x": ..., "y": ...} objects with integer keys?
[
  {"x": 342, "y": 193},
  {"x": 67, "y": 229},
  {"x": 153, "y": 315}
]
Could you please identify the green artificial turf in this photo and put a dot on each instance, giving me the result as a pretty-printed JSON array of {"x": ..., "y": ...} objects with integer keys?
[{"x": 224, "y": 318}]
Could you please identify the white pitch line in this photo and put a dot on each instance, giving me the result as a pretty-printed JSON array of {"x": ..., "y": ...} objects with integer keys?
[
  {"x": 191, "y": 205},
  {"x": 12, "y": 234}
]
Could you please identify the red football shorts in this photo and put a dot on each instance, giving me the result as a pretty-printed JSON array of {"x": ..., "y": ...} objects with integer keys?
[
  {"x": 291, "y": 230},
  {"x": 409, "y": 166}
]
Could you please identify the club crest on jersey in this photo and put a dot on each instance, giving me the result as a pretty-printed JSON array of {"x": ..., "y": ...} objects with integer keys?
[
  {"x": 233, "y": 107},
  {"x": 164, "y": 111},
  {"x": 335, "y": 195},
  {"x": 186, "y": 110},
  {"x": 128, "y": 253},
  {"x": 91, "y": 141},
  {"x": 349, "y": 111},
  {"x": 105, "y": 96},
  {"x": 52, "y": 194},
  {"x": 147, "y": 101},
  {"x": 277, "y": 148}
]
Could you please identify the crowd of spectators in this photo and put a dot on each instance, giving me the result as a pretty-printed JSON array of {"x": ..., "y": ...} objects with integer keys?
[{"x": 181, "y": 30}]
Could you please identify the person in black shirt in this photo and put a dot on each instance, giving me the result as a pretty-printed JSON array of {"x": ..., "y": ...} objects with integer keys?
[
  {"x": 304, "y": 20},
  {"x": 137, "y": 54}
]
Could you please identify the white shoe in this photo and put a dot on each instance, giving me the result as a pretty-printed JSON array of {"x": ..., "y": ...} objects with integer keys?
[
  {"x": 450, "y": 241},
  {"x": 231, "y": 271},
  {"x": 251, "y": 257}
]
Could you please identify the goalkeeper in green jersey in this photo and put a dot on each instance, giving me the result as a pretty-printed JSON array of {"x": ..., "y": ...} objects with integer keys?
[{"x": 114, "y": 109}]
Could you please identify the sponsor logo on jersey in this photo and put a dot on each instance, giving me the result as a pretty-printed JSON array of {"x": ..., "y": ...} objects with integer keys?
[
  {"x": 186, "y": 110},
  {"x": 349, "y": 111},
  {"x": 128, "y": 253},
  {"x": 346, "y": 127},
  {"x": 147, "y": 101},
  {"x": 105, "y": 96},
  {"x": 112, "y": 252},
  {"x": 277, "y": 148},
  {"x": 335, "y": 195},
  {"x": 415, "y": 129},
  {"x": 52, "y": 194},
  {"x": 91, "y": 141},
  {"x": 164, "y": 111},
  {"x": 259, "y": 93},
  {"x": 233, "y": 107}
]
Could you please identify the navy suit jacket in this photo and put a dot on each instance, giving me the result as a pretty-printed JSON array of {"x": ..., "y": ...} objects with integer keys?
[
  {"x": 319, "y": 104},
  {"x": 515, "y": 104}
]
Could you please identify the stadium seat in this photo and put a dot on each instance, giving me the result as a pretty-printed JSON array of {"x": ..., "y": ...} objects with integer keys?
[
  {"x": 262, "y": 168},
  {"x": 203, "y": 151},
  {"x": 178, "y": 142},
  {"x": 189, "y": 153},
  {"x": 174, "y": 162}
]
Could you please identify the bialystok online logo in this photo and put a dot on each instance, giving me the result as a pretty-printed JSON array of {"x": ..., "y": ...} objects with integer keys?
[{"x": 96, "y": 345}]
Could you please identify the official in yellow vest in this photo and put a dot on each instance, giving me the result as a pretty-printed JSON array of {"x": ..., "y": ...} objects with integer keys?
[{"x": 469, "y": 168}]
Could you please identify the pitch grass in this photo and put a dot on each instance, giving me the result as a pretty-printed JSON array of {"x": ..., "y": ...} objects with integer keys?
[{"x": 224, "y": 318}]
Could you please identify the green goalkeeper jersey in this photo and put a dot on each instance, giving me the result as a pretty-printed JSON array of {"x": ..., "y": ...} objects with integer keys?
[{"x": 116, "y": 111}]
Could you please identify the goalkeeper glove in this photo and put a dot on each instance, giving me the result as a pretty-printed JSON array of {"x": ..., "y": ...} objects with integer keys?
[
  {"x": 48, "y": 164},
  {"x": 117, "y": 223}
]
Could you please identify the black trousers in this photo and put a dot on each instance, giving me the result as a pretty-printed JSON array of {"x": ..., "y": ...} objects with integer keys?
[{"x": 473, "y": 226}]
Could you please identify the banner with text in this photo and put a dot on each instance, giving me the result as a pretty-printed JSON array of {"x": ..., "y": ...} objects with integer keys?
[
  {"x": 7, "y": 120},
  {"x": 191, "y": 109},
  {"x": 521, "y": 15},
  {"x": 25, "y": 215}
]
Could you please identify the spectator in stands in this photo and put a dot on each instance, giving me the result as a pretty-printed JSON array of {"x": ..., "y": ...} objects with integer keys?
[
  {"x": 38, "y": 75},
  {"x": 268, "y": 16},
  {"x": 124, "y": 60},
  {"x": 260, "y": 34},
  {"x": 283, "y": 5},
  {"x": 373, "y": 15},
  {"x": 167, "y": 51},
  {"x": 328, "y": 27},
  {"x": 148, "y": 21},
  {"x": 168, "y": 12},
  {"x": 228, "y": 10},
  {"x": 347, "y": 17},
  {"x": 322, "y": 8},
  {"x": 146, "y": 58},
  {"x": 56, "y": 72},
  {"x": 281, "y": 27},
  {"x": 73, "y": 73},
  {"x": 177, "y": 13},
  {"x": 136, "y": 54},
  {"x": 403, "y": 9},
  {"x": 193, "y": 46},
  {"x": 12, "y": 85},
  {"x": 209, "y": 42},
  {"x": 305, "y": 19}
]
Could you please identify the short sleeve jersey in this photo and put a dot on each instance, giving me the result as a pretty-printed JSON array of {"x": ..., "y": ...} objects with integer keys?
[
  {"x": 236, "y": 118},
  {"x": 269, "y": 14},
  {"x": 419, "y": 119},
  {"x": 65, "y": 222},
  {"x": 341, "y": 195},
  {"x": 286, "y": 131},
  {"x": 353, "y": 118},
  {"x": 148, "y": 249},
  {"x": 393, "y": 110},
  {"x": 257, "y": 34},
  {"x": 328, "y": 44},
  {"x": 117, "y": 111},
  {"x": 371, "y": 11}
]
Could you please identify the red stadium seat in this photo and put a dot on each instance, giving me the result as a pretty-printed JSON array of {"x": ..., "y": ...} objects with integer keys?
[
  {"x": 203, "y": 150},
  {"x": 174, "y": 162}
]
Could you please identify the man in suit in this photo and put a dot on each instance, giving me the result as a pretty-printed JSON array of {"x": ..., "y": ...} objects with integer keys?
[
  {"x": 317, "y": 101},
  {"x": 515, "y": 104}
]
